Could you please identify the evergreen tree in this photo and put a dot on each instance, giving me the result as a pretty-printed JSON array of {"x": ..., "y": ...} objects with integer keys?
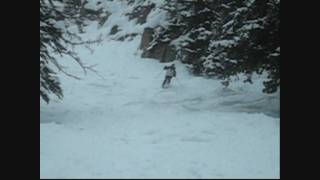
[
  {"x": 248, "y": 42},
  {"x": 222, "y": 38},
  {"x": 190, "y": 28},
  {"x": 54, "y": 39}
]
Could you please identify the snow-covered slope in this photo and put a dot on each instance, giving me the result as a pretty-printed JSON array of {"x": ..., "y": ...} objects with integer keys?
[{"x": 122, "y": 124}]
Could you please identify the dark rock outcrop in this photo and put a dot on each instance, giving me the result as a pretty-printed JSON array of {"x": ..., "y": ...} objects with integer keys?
[
  {"x": 147, "y": 37},
  {"x": 127, "y": 36},
  {"x": 141, "y": 13},
  {"x": 114, "y": 30},
  {"x": 161, "y": 51}
]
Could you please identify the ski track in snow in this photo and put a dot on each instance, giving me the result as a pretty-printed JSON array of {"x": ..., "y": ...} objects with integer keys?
[{"x": 126, "y": 126}]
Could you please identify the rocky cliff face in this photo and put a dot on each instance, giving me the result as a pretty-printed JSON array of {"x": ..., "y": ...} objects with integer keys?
[
  {"x": 161, "y": 51},
  {"x": 141, "y": 13}
]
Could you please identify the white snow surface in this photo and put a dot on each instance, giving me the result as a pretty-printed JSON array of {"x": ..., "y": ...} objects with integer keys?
[{"x": 125, "y": 125}]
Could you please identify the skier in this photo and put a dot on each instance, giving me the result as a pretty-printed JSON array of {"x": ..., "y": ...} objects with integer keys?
[
  {"x": 249, "y": 77},
  {"x": 170, "y": 72}
]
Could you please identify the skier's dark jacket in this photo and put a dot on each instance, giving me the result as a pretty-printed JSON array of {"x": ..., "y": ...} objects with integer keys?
[{"x": 171, "y": 71}]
